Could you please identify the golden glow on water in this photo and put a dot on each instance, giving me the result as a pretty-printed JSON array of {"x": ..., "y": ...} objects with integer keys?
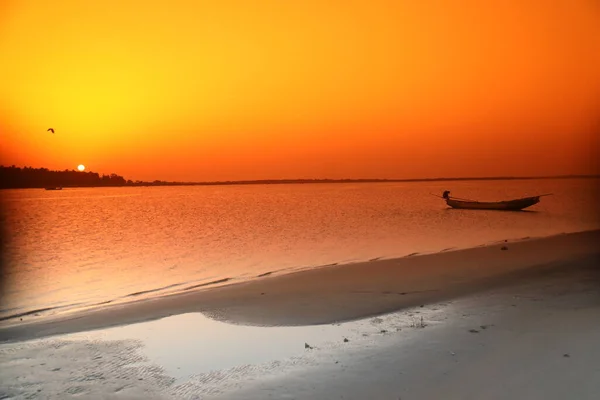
[{"x": 89, "y": 246}]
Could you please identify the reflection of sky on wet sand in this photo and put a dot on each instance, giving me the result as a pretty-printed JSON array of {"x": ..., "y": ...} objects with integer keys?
[
  {"x": 189, "y": 344},
  {"x": 193, "y": 343}
]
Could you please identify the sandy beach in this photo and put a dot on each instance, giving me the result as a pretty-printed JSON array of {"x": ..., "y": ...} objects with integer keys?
[
  {"x": 335, "y": 293},
  {"x": 503, "y": 321},
  {"x": 536, "y": 339}
]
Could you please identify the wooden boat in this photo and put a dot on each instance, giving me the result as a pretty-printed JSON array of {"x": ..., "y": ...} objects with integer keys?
[{"x": 506, "y": 205}]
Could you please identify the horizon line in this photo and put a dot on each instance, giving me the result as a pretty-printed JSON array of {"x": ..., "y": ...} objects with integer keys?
[
  {"x": 341, "y": 180},
  {"x": 383, "y": 180}
]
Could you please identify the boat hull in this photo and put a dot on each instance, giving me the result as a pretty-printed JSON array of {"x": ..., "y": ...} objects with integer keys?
[{"x": 510, "y": 205}]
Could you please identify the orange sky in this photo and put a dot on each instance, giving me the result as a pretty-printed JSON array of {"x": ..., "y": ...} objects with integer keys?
[{"x": 267, "y": 89}]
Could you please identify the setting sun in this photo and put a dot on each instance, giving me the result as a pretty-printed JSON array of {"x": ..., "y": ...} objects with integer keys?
[{"x": 81, "y": 167}]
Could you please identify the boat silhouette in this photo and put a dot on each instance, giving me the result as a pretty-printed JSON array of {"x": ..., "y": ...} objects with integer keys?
[{"x": 505, "y": 205}]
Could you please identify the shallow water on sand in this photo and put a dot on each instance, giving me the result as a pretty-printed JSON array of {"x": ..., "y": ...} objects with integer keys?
[
  {"x": 78, "y": 248},
  {"x": 218, "y": 346},
  {"x": 188, "y": 355}
]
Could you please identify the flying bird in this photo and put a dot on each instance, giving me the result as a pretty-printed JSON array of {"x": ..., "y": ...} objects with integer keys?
[{"x": 50, "y": 130}]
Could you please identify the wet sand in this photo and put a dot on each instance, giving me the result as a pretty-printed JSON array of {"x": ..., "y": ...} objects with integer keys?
[
  {"x": 531, "y": 339},
  {"x": 338, "y": 293},
  {"x": 524, "y": 330},
  {"x": 507, "y": 321}
]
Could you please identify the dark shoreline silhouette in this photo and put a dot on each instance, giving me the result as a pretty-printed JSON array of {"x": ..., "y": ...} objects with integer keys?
[{"x": 36, "y": 178}]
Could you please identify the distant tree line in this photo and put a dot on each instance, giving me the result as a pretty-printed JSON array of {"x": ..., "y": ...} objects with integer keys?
[
  {"x": 20, "y": 178},
  {"x": 14, "y": 177}
]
